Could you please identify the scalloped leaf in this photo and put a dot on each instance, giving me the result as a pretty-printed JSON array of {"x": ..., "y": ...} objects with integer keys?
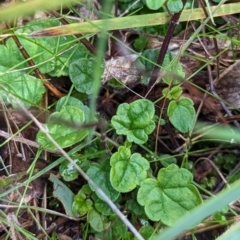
[
  {"x": 27, "y": 89},
  {"x": 81, "y": 74},
  {"x": 63, "y": 134},
  {"x": 100, "y": 175},
  {"x": 135, "y": 120},
  {"x": 174, "y": 6},
  {"x": 97, "y": 221},
  {"x": 102, "y": 207},
  {"x": 118, "y": 230},
  {"x": 170, "y": 196},
  {"x": 128, "y": 170},
  {"x": 72, "y": 101},
  {"x": 81, "y": 204},
  {"x": 182, "y": 114},
  {"x": 68, "y": 171},
  {"x": 173, "y": 93}
]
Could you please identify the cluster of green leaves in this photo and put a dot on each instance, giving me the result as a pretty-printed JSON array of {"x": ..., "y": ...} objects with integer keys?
[
  {"x": 180, "y": 110},
  {"x": 164, "y": 198},
  {"x": 127, "y": 172},
  {"x": 51, "y": 55}
]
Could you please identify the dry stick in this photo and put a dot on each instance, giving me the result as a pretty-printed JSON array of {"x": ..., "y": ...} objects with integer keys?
[
  {"x": 84, "y": 175},
  {"x": 51, "y": 212},
  {"x": 218, "y": 171},
  {"x": 197, "y": 113},
  {"x": 44, "y": 206},
  {"x": 162, "y": 53},
  {"x": 54, "y": 225}
]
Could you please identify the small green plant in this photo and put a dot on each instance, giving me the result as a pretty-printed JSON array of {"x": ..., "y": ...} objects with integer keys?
[
  {"x": 126, "y": 170},
  {"x": 151, "y": 190},
  {"x": 135, "y": 120},
  {"x": 180, "y": 110}
]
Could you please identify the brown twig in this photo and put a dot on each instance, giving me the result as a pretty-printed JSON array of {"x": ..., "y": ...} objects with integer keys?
[{"x": 162, "y": 53}]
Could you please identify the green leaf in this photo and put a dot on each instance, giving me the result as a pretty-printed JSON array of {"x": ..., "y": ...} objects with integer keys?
[
  {"x": 172, "y": 66},
  {"x": 127, "y": 170},
  {"x": 63, "y": 134},
  {"x": 51, "y": 55},
  {"x": 149, "y": 58},
  {"x": 63, "y": 194},
  {"x": 102, "y": 206},
  {"x": 173, "y": 93},
  {"x": 170, "y": 196},
  {"x": 140, "y": 43},
  {"x": 81, "y": 74},
  {"x": 69, "y": 101},
  {"x": 154, "y": 4},
  {"x": 174, "y": 6},
  {"x": 169, "y": 64},
  {"x": 118, "y": 230},
  {"x": 146, "y": 231},
  {"x": 97, "y": 221},
  {"x": 135, "y": 207},
  {"x": 182, "y": 114},
  {"x": 135, "y": 120},
  {"x": 167, "y": 159},
  {"x": 27, "y": 89},
  {"x": 100, "y": 175},
  {"x": 81, "y": 204},
  {"x": 72, "y": 101},
  {"x": 68, "y": 171}
]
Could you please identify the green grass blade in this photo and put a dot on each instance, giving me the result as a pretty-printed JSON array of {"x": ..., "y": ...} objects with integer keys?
[{"x": 135, "y": 21}]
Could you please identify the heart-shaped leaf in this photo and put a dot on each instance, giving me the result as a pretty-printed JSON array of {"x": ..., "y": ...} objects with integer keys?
[
  {"x": 182, "y": 114},
  {"x": 63, "y": 134},
  {"x": 101, "y": 176},
  {"x": 135, "y": 120},
  {"x": 127, "y": 170},
  {"x": 170, "y": 196}
]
